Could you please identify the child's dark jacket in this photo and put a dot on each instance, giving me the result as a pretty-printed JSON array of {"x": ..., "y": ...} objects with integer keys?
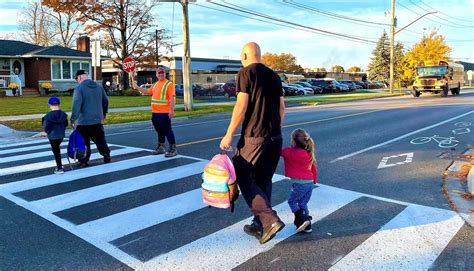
[{"x": 55, "y": 123}]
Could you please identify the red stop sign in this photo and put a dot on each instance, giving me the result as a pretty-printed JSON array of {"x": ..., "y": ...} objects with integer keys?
[{"x": 128, "y": 64}]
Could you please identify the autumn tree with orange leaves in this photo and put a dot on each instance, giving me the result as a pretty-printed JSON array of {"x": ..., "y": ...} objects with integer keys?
[{"x": 282, "y": 62}]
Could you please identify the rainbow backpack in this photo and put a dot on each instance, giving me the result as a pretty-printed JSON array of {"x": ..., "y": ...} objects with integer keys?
[{"x": 219, "y": 188}]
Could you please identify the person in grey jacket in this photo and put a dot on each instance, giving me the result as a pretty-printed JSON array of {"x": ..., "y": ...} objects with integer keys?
[
  {"x": 90, "y": 105},
  {"x": 54, "y": 125}
]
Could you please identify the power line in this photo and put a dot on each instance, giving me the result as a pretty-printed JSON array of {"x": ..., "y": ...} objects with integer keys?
[
  {"x": 469, "y": 21},
  {"x": 451, "y": 24},
  {"x": 331, "y": 14},
  {"x": 333, "y": 34}
]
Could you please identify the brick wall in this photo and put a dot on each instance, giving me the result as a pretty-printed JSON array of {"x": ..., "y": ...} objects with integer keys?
[{"x": 37, "y": 69}]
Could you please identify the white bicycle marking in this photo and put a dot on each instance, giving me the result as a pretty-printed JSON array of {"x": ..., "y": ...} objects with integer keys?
[{"x": 443, "y": 142}]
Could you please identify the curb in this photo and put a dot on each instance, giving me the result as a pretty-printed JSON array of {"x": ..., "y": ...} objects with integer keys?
[{"x": 458, "y": 185}]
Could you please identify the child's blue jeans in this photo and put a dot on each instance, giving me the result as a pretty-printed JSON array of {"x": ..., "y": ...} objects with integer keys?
[{"x": 299, "y": 196}]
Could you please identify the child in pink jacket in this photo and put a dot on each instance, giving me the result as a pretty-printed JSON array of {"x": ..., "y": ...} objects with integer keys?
[{"x": 300, "y": 166}]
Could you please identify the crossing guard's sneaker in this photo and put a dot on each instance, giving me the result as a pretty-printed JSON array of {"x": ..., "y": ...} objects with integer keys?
[{"x": 160, "y": 149}]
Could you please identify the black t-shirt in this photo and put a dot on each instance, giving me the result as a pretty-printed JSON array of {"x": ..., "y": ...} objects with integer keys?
[{"x": 263, "y": 85}]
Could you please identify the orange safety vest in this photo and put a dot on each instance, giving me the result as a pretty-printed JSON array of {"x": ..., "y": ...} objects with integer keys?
[{"x": 161, "y": 92}]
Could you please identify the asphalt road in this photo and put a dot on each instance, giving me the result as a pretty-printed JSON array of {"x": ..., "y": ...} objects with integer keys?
[{"x": 379, "y": 203}]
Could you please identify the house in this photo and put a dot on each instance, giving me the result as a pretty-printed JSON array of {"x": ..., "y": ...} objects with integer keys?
[{"x": 29, "y": 65}]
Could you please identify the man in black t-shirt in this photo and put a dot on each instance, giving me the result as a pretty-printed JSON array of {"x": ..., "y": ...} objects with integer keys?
[{"x": 260, "y": 108}]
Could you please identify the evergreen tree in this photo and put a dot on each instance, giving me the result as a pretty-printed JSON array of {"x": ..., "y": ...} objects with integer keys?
[{"x": 379, "y": 66}]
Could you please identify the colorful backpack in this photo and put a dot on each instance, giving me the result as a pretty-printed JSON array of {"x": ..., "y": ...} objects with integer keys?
[
  {"x": 219, "y": 188},
  {"x": 76, "y": 148}
]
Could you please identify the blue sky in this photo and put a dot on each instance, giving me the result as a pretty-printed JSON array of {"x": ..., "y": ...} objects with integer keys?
[{"x": 218, "y": 34}]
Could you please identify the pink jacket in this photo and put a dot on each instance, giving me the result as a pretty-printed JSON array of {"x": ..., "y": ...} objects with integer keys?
[{"x": 296, "y": 164}]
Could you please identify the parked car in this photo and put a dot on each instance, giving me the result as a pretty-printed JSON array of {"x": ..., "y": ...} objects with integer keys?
[
  {"x": 362, "y": 84},
  {"x": 302, "y": 90},
  {"x": 327, "y": 85},
  {"x": 316, "y": 90},
  {"x": 352, "y": 86},
  {"x": 146, "y": 86},
  {"x": 341, "y": 87},
  {"x": 229, "y": 88},
  {"x": 198, "y": 90},
  {"x": 178, "y": 89},
  {"x": 289, "y": 91}
]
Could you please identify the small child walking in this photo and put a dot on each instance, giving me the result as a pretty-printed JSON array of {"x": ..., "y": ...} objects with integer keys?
[
  {"x": 54, "y": 125},
  {"x": 300, "y": 166}
]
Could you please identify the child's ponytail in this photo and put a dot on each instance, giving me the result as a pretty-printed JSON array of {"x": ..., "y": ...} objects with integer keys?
[{"x": 301, "y": 138}]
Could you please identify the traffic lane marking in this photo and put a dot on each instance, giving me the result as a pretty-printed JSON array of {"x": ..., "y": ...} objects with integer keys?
[{"x": 400, "y": 137}]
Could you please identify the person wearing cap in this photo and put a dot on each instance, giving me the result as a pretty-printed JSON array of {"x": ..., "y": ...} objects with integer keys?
[
  {"x": 54, "y": 125},
  {"x": 90, "y": 105},
  {"x": 163, "y": 100}
]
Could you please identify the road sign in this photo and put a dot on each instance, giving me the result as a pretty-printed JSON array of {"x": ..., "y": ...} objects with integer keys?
[{"x": 128, "y": 64}]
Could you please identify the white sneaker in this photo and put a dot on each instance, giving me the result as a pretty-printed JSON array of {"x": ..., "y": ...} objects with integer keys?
[{"x": 59, "y": 171}]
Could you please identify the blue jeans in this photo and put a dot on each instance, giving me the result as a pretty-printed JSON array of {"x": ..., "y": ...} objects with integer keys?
[
  {"x": 299, "y": 196},
  {"x": 162, "y": 124}
]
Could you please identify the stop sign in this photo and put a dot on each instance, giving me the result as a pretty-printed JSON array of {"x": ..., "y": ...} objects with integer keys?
[{"x": 128, "y": 64}]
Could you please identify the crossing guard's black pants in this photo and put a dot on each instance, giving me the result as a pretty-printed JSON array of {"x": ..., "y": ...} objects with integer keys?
[{"x": 255, "y": 163}]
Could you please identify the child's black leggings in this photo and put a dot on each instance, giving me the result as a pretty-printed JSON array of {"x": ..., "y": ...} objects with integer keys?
[{"x": 55, "y": 143}]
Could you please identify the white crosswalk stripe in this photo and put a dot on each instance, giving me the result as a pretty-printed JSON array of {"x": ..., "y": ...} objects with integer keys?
[{"x": 411, "y": 240}]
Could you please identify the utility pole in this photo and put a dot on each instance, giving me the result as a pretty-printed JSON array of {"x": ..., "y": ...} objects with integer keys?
[
  {"x": 157, "y": 55},
  {"x": 186, "y": 60},
  {"x": 392, "y": 46}
]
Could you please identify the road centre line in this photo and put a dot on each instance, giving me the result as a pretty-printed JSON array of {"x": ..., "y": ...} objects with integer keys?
[{"x": 400, "y": 137}]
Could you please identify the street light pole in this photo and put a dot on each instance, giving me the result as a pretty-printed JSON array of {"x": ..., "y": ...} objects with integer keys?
[
  {"x": 392, "y": 46},
  {"x": 392, "y": 41}
]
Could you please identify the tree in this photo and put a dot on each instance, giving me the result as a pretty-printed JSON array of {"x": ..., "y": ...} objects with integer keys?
[
  {"x": 36, "y": 26},
  {"x": 337, "y": 68},
  {"x": 432, "y": 47},
  {"x": 354, "y": 69},
  {"x": 379, "y": 67},
  {"x": 127, "y": 27},
  {"x": 65, "y": 26},
  {"x": 43, "y": 26},
  {"x": 282, "y": 62}
]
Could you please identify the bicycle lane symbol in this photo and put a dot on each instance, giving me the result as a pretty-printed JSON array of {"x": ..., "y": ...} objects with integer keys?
[
  {"x": 443, "y": 142},
  {"x": 463, "y": 127}
]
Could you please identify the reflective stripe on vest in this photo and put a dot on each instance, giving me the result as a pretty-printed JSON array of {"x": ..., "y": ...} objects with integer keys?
[{"x": 164, "y": 90}]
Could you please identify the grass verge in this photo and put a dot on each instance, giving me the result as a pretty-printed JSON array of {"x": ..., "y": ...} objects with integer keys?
[
  {"x": 123, "y": 117},
  {"x": 347, "y": 97},
  {"x": 11, "y": 106}
]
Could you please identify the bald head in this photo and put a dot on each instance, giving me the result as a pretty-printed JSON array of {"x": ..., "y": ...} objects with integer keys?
[{"x": 251, "y": 54}]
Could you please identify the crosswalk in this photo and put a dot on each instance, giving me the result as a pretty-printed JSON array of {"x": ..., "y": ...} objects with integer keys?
[{"x": 135, "y": 209}]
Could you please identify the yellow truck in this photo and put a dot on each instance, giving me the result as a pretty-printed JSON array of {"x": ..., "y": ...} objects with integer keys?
[{"x": 440, "y": 77}]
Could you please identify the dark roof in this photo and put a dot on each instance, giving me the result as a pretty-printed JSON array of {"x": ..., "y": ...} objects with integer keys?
[
  {"x": 467, "y": 66},
  {"x": 16, "y": 48},
  {"x": 59, "y": 51}
]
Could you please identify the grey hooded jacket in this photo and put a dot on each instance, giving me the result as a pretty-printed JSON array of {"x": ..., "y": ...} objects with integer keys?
[{"x": 90, "y": 104}]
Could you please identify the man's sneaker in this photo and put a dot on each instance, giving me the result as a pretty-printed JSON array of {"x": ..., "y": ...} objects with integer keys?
[
  {"x": 160, "y": 149},
  {"x": 58, "y": 171},
  {"x": 270, "y": 231},
  {"x": 253, "y": 229},
  {"x": 172, "y": 152},
  {"x": 83, "y": 164},
  {"x": 107, "y": 158}
]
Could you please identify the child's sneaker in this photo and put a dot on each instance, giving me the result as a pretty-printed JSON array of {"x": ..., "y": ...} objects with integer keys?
[
  {"x": 59, "y": 171},
  {"x": 308, "y": 228}
]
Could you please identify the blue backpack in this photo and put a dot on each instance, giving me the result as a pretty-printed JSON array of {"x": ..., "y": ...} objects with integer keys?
[{"x": 76, "y": 148}]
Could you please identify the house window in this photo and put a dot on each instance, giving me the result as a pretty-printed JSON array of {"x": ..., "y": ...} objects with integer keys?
[
  {"x": 66, "y": 69},
  {"x": 4, "y": 64},
  {"x": 56, "y": 68}
]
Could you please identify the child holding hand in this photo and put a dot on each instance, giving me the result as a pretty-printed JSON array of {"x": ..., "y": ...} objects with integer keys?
[{"x": 300, "y": 166}]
